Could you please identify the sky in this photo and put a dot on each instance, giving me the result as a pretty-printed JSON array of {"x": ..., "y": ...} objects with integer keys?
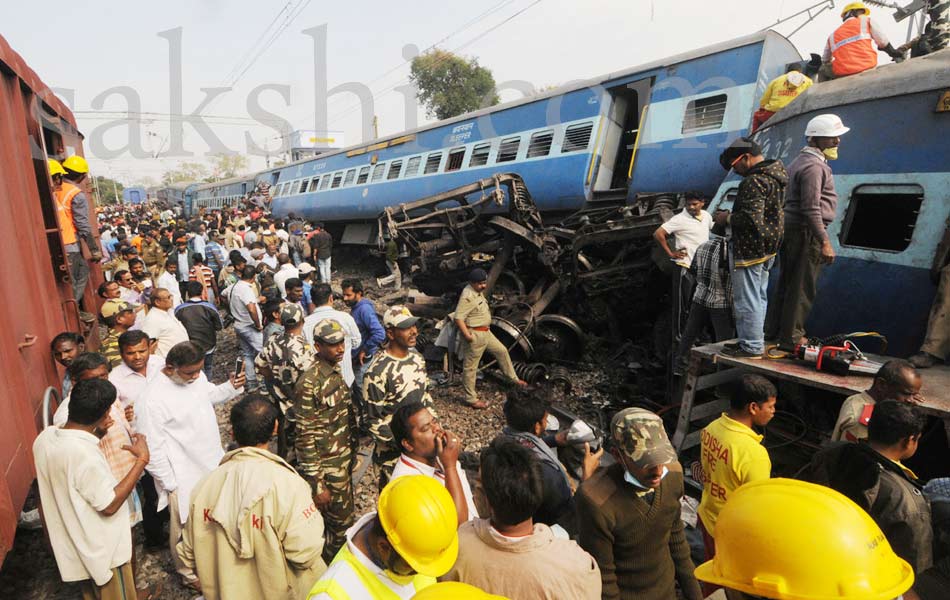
[{"x": 121, "y": 57}]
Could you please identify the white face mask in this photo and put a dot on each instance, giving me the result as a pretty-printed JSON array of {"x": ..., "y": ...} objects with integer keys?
[{"x": 634, "y": 481}]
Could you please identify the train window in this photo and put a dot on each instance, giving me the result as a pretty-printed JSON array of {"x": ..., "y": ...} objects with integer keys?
[
  {"x": 432, "y": 163},
  {"x": 303, "y": 186},
  {"x": 456, "y": 157},
  {"x": 508, "y": 150},
  {"x": 412, "y": 167},
  {"x": 480, "y": 155},
  {"x": 350, "y": 176},
  {"x": 337, "y": 179},
  {"x": 882, "y": 216},
  {"x": 313, "y": 184},
  {"x": 540, "y": 144},
  {"x": 704, "y": 114},
  {"x": 394, "y": 169},
  {"x": 325, "y": 182},
  {"x": 363, "y": 176},
  {"x": 576, "y": 137},
  {"x": 280, "y": 189},
  {"x": 378, "y": 171}
]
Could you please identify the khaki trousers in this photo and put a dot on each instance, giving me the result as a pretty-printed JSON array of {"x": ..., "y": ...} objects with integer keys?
[
  {"x": 471, "y": 355},
  {"x": 174, "y": 536},
  {"x": 937, "y": 340},
  {"x": 120, "y": 587}
]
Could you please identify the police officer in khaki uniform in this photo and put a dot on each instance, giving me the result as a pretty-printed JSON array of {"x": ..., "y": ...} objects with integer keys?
[
  {"x": 473, "y": 319},
  {"x": 325, "y": 425}
]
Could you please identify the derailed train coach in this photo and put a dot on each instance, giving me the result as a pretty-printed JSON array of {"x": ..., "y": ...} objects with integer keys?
[
  {"x": 892, "y": 178},
  {"x": 34, "y": 125},
  {"x": 657, "y": 127}
]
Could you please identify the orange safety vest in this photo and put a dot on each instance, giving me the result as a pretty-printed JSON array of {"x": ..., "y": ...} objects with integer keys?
[
  {"x": 64, "y": 211},
  {"x": 852, "y": 50}
]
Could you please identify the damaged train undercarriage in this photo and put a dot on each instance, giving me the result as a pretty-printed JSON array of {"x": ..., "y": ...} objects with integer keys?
[{"x": 551, "y": 285}]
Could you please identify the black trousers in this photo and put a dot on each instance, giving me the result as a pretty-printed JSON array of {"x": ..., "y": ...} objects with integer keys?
[
  {"x": 800, "y": 265},
  {"x": 700, "y": 317},
  {"x": 152, "y": 519}
]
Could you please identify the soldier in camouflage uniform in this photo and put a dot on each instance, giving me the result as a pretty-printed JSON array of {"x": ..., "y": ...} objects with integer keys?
[
  {"x": 119, "y": 316},
  {"x": 279, "y": 365},
  {"x": 323, "y": 408},
  {"x": 396, "y": 375}
]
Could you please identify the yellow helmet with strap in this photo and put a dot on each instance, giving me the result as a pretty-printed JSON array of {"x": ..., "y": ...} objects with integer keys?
[{"x": 856, "y": 6}]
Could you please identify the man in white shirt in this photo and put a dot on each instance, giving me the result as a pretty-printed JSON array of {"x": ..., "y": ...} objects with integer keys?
[
  {"x": 84, "y": 506},
  {"x": 176, "y": 412},
  {"x": 248, "y": 324},
  {"x": 690, "y": 229},
  {"x": 160, "y": 323},
  {"x": 169, "y": 280},
  {"x": 138, "y": 368},
  {"x": 285, "y": 271},
  {"x": 322, "y": 296},
  {"x": 429, "y": 450},
  {"x": 270, "y": 256}
]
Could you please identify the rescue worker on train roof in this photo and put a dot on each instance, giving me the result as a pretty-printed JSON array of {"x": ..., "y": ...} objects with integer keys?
[{"x": 850, "y": 48}]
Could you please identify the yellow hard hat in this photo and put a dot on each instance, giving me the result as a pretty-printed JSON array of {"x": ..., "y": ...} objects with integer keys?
[
  {"x": 855, "y": 6},
  {"x": 792, "y": 540},
  {"x": 54, "y": 167},
  {"x": 454, "y": 590},
  {"x": 76, "y": 164},
  {"x": 419, "y": 518}
]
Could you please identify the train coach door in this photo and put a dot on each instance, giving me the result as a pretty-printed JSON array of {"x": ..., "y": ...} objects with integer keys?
[{"x": 622, "y": 128}]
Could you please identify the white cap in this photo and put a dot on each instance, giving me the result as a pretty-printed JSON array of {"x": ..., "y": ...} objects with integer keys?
[{"x": 826, "y": 126}]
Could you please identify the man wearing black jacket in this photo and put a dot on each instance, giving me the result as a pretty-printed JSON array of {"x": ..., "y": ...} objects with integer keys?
[
  {"x": 526, "y": 415},
  {"x": 202, "y": 322},
  {"x": 873, "y": 476}
]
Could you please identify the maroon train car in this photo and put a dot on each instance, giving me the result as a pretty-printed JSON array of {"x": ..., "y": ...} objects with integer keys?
[{"x": 36, "y": 300}]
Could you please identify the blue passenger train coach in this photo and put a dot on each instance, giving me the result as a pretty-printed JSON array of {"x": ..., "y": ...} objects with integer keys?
[
  {"x": 893, "y": 186},
  {"x": 654, "y": 128}
]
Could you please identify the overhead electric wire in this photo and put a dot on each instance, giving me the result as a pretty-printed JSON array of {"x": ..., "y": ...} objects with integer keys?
[
  {"x": 356, "y": 107},
  {"x": 287, "y": 22},
  {"x": 237, "y": 66}
]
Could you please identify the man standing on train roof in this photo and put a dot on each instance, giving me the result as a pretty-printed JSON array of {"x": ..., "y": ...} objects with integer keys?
[
  {"x": 936, "y": 346},
  {"x": 757, "y": 223},
  {"x": 72, "y": 211},
  {"x": 779, "y": 93},
  {"x": 473, "y": 318},
  {"x": 850, "y": 49},
  {"x": 810, "y": 206}
]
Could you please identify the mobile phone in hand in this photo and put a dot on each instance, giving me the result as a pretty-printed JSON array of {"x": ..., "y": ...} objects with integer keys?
[{"x": 238, "y": 366}]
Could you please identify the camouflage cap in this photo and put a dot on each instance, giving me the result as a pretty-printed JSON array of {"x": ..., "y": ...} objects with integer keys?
[
  {"x": 114, "y": 306},
  {"x": 328, "y": 331},
  {"x": 291, "y": 314},
  {"x": 398, "y": 316},
  {"x": 640, "y": 435}
]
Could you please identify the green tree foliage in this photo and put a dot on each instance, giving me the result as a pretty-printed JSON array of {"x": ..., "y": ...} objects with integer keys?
[
  {"x": 226, "y": 166},
  {"x": 187, "y": 172},
  {"x": 109, "y": 190},
  {"x": 450, "y": 85}
]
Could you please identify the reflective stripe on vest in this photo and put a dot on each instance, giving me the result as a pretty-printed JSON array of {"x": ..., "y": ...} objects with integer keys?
[
  {"x": 852, "y": 50},
  {"x": 64, "y": 211},
  {"x": 373, "y": 588}
]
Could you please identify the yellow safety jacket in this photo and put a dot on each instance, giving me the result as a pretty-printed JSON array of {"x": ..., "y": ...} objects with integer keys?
[{"x": 373, "y": 588}]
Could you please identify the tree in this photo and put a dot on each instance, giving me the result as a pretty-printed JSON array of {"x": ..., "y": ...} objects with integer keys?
[
  {"x": 450, "y": 85},
  {"x": 109, "y": 190},
  {"x": 187, "y": 172},
  {"x": 226, "y": 166}
]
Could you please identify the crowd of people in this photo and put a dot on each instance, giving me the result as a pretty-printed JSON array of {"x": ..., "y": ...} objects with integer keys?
[{"x": 268, "y": 510}]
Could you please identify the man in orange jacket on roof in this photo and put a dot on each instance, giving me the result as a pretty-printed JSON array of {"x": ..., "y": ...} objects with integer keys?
[{"x": 850, "y": 49}]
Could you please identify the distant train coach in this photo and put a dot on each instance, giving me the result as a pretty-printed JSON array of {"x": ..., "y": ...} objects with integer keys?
[{"x": 134, "y": 195}]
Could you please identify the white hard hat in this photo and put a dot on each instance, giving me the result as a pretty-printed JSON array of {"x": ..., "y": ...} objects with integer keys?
[{"x": 826, "y": 126}]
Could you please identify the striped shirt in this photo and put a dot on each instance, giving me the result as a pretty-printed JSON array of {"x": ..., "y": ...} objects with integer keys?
[
  {"x": 203, "y": 275},
  {"x": 711, "y": 268}
]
